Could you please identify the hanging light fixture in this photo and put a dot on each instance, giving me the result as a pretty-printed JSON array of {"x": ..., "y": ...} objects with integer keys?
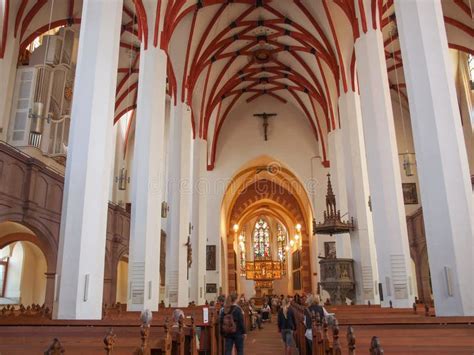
[
  {"x": 122, "y": 179},
  {"x": 408, "y": 164},
  {"x": 408, "y": 158}
]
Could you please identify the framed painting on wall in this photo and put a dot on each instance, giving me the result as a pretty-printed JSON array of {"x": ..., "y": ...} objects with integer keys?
[
  {"x": 410, "y": 196},
  {"x": 330, "y": 250},
  {"x": 211, "y": 288},
  {"x": 296, "y": 260},
  {"x": 210, "y": 257},
  {"x": 297, "y": 280}
]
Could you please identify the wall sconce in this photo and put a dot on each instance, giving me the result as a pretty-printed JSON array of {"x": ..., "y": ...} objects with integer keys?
[
  {"x": 297, "y": 237},
  {"x": 236, "y": 228},
  {"x": 292, "y": 243},
  {"x": 122, "y": 179},
  {"x": 37, "y": 123},
  {"x": 409, "y": 163},
  {"x": 164, "y": 209},
  {"x": 298, "y": 227}
]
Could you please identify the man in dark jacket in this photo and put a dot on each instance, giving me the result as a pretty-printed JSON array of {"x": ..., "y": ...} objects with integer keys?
[{"x": 237, "y": 337}]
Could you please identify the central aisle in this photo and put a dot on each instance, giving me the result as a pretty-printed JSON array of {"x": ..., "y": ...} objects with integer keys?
[{"x": 266, "y": 341}]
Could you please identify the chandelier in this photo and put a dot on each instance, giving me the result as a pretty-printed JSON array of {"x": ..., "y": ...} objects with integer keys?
[{"x": 332, "y": 217}]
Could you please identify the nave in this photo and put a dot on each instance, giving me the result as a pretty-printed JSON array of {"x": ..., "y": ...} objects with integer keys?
[{"x": 158, "y": 155}]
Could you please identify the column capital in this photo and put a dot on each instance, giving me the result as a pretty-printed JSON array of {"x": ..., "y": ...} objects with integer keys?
[
  {"x": 368, "y": 15},
  {"x": 150, "y": 21}
]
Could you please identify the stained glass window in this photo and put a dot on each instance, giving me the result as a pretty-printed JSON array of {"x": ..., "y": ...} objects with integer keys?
[
  {"x": 281, "y": 243},
  {"x": 242, "y": 252},
  {"x": 261, "y": 240}
]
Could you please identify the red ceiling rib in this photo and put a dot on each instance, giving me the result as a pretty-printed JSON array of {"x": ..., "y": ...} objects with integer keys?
[
  {"x": 338, "y": 49},
  {"x": 19, "y": 15},
  {"x": 30, "y": 15},
  {"x": 45, "y": 28},
  {"x": 157, "y": 24}
]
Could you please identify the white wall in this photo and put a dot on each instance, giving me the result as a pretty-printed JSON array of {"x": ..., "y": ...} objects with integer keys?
[{"x": 290, "y": 142}]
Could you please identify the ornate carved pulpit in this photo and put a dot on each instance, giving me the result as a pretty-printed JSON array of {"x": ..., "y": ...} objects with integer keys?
[{"x": 337, "y": 278}]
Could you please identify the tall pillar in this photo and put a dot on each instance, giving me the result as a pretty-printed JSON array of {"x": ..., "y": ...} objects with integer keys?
[
  {"x": 388, "y": 210},
  {"x": 179, "y": 203},
  {"x": 357, "y": 186},
  {"x": 199, "y": 218},
  {"x": 84, "y": 214},
  {"x": 144, "y": 261},
  {"x": 441, "y": 155},
  {"x": 335, "y": 144},
  {"x": 8, "y": 65}
]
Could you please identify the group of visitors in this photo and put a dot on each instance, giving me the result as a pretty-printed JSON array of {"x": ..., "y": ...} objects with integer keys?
[{"x": 232, "y": 323}]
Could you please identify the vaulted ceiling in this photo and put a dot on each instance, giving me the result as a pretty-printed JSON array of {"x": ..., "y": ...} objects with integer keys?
[{"x": 226, "y": 53}]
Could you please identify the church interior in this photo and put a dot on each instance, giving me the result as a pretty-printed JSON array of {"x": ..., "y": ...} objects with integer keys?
[{"x": 158, "y": 155}]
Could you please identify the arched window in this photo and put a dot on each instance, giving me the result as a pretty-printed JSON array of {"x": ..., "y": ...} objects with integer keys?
[
  {"x": 281, "y": 243},
  {"x": 261, "y": 240},
  {"x": 242, "y": 240}
]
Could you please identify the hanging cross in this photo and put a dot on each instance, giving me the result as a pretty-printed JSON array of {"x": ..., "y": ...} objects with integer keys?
[{"x": 265, "y": 117}]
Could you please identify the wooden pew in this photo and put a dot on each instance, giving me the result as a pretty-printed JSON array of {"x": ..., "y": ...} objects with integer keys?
[
  {"x": 299, "y": 335},
  {"x": 321, "y": 342}
]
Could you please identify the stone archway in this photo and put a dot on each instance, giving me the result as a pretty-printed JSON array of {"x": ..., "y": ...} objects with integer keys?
[
  {"x": 273, "y": 189},
  {"x": 33, "y": 244}
]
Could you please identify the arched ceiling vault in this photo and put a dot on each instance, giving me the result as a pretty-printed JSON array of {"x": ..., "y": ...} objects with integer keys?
[{"x": 226, "y": 53}]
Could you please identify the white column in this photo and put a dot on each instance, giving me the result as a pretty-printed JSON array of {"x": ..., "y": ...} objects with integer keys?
[
  {"x": 199, "y": 216},
  {"x": 441, "y": 155},
  {"x": 179, "y": 203},
  {"x": 388, "y": 210},
  {"x": 8, "y": 66},
  {"x": 144, "y": 253},
  {"x": 357, "y": 186},
  {"x": 335, "y": 144},
  {"x": 86, "y": 188}
]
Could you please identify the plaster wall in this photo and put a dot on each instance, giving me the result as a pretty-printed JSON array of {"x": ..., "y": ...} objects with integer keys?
[{"x": 290, "y": 143}]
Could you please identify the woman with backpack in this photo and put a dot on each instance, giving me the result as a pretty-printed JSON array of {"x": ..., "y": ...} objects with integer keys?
[
  {"x": 232, "y": 326},
  {"x": 286, "y": 325}
]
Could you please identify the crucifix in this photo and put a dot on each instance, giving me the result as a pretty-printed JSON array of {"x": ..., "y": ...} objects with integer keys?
[
  {"x": 189, "y": 250},
  {"x": 265, "y": 117}
]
